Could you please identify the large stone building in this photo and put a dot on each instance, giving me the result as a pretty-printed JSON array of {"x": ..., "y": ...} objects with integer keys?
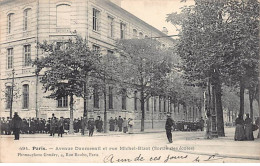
[{"x": 23, "y": 23}]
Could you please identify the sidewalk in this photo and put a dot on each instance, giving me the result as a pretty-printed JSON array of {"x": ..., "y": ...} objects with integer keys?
[{"x": 224, "y": 146}]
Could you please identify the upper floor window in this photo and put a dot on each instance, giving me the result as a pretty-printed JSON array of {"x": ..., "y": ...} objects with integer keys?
[
  {"x": 155, "y": 105},
  {"x": 27, "y": 55},
  {"x": 122, "y": 30},
  {"x": 134, "y": 33},
  {"x": 96, "y": 19},
  {"x": 110, "y": 26},
  {"x": 141, "y": 36},
  {"x": 62, "y": 102},
  {"x": 26, "y": 19},
  {"x": 8, "y": 96},
  {"x": 10, "y": 58},
  {"x": 96, "y": 97},
  {"x": 63, "y": 15},
  {"x": 10, "y": 21},
  {"x": 123, "y": 99},
  {"x": 96, "y": 49},
  {"x": 110, "y": 99},
  {"x": 25, "y": 96}
]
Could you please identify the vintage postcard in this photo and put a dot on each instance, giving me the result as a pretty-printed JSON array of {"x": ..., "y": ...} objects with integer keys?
[{"x": 129, "y": 81}]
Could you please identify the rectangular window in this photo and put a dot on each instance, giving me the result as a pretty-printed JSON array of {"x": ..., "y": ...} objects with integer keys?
[
  {"x": 62, "y": 102},
  {"x": 110, "y": 26},
  {"x": 25, "y": 96},
  {"x": 96, "y": 19},
  {"x": 154, "y": 104},
  {"x": 10, "y": 23},
  {"x": 96, "y": 49},
  {"x": 27, "y": 55},
  {"x": 10, "y": 58},
  {"x": 122, "y": 30},
  {"x": 124, "y": 99},
  {"x": 135, "y": 100},
  {"x": 164, "y": 104},
  {"x": 160, "y": 104},
  {"x": 26, "y": 19},
  {"x": 110, "y": 98},
  {"x": 96, "y": 98},
  {"x": 147, "y": 104},
  {"x": 134, "y": 33},
  {"x": 8, "y": 96}
]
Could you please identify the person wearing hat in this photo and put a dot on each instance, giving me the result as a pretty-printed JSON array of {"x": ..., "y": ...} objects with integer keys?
[
  {"x": 240, "y": 131},
  {"x": 52, "y": 125},
  {"x": 91, "y": 126},
  {"x": 249, "y": 128},
  {"x": 168, "y": 127},
  {"x": 16, "y": 125},
  {"x": 60, "y": 126}
]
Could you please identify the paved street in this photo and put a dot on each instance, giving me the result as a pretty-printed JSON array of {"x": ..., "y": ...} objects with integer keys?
[{"x": 153, "y": 147}]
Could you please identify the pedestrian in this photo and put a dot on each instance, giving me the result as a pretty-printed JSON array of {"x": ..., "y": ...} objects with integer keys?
[
  {"x": 124, "y": 125},
  {"x": 83, "y": 125},
  {"x": 116, "y": 124},
  {"x": 111, "y": 124},
  {"x": 120, "y": 123},
  {"x": 99, "y": 124},
  {"x": 201, "y": 122},
  {"x": 52, "y": 125},
  {"x": 8, "y": 126},
  {"x": 208, "y": 134},
  {"x": 131, "y": 126},
  {"x": 248, "y": 128},
  {"x": 16, "y": 125},
  {"x": 60, "y": 126},
  {"x": 91, "y": 126},
  {"x": 168, "y": 127},
  {"x": 240, "y": 131}
]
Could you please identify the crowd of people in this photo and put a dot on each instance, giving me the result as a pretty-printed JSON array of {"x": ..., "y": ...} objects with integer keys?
[{"x": 61, "y": 125}]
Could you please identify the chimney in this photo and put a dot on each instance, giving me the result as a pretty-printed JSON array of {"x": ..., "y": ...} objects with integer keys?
[
  {"x": 165, "y": 30},
  {"x": 117, "y": 2}
]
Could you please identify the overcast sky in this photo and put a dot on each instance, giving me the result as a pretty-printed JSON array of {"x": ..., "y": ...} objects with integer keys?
[{"x": 154, "y": 12}]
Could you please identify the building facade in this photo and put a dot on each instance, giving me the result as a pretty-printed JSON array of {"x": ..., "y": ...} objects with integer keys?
[{"x": 24, "y": 23}]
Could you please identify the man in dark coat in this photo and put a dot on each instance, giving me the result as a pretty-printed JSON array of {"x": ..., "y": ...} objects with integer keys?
[
  {"x": 83, "y": 125},
  {"x": 60, "y": 126},
  {"x": 16, "y": 125},
  {"x": 111, "y": 124},
  {"x": 120, "y": 123},
  {"x": 91, "y": 126},
  {"x": 52, "y": 125},
  {"x": 168, "y": 128},
  {"x": 201, "y": 122}
]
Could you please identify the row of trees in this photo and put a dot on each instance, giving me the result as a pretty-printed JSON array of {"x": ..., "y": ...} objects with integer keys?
[
  {"x": 219, "y": 45},
  {"x": 76, "y": 70}
]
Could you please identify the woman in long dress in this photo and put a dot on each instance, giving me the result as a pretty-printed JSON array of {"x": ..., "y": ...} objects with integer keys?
[
  {"x": 248, "y": 128},
  {"x": 131, "y": 126},
  {"x": 240, "y": 131}
]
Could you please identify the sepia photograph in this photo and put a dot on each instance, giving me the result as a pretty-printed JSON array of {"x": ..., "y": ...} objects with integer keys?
[{"x": 129, "y": 81}]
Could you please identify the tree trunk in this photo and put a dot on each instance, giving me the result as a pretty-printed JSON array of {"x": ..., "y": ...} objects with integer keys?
[
  {"x": 213, "y": 113},
  {"x": 242, "y": 91},
  {"x": 219, "y": 110},
  {"x": 142, "y": 109},
  {"x": 85, "y": 113},
  {"x": 71, "y": 129},
  {"x": 105, "y": 111},
  {"x": 251, "y": 99}
]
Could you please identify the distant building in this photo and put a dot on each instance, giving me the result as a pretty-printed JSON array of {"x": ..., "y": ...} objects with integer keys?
[{"x": 27, "y": 22}]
